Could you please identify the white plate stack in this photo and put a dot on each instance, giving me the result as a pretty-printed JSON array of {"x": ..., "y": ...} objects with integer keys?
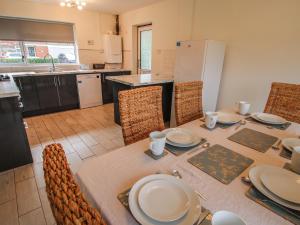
[
  {"x": 278, "y": 184},
  {"x": 228, "y": 118},
  {"x": 163, "y": 199},
  {"x": 268, "y": 118},
  {"x": 180, "y": 137}
]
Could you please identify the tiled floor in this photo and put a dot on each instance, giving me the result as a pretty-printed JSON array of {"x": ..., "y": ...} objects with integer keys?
[{"x": 83, "y": 134}]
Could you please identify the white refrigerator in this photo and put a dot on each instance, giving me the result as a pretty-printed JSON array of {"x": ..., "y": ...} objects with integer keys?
[{"x": 200, "y": 60}]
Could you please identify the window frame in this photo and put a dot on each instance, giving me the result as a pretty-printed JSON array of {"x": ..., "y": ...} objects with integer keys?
[{"x": 25, "y": 62}]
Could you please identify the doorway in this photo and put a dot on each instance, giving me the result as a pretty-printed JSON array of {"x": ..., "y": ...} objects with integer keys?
[{"x": 144, "y": 49}]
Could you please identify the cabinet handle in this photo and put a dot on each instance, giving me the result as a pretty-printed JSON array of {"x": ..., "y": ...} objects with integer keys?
[
  {"x": 58, "y": 81},
  {"x": 20, "y": 83},
  {"x": 54, "y": 81}
]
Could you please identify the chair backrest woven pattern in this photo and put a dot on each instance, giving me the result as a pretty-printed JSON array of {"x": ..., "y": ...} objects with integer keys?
[
  {"x": 140, "y": 112},
  {"x": 67, "y": 202},
  {"x": 188, "y": 101},
  {"x": 284, "y": 101}
]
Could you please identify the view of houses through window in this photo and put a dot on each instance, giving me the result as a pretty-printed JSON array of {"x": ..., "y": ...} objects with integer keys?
[{"x": 19, "y": 52}]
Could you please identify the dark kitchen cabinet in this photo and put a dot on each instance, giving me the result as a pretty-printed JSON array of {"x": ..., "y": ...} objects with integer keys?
[
  {"x": 29, "y": 96},
  {"x": 15, "y": 150},
  {"x": 107, "y": 85},
  {"x": 57, "y": 93},
  {"x": 47, "y": 92},
  {"x": 67, "y": 90}
]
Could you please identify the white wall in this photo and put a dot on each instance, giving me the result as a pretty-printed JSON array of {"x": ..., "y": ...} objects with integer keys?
[
  {"x": 89, "y": 25},
  {"x": 263, "y": 45},
  {"x": 164, "y": 35},
  {"x": 262, "y": 37}
]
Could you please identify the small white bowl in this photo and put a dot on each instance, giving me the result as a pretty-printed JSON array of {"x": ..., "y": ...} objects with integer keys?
[{"x": 226, "y": 218}]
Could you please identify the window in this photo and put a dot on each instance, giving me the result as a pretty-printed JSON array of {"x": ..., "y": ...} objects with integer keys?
[
  {"x": 144, "y": 48},
  {"x": 28, "y": 41},
  {"x": 14, "y": 52},
  {"x": 10, "y": 52}
]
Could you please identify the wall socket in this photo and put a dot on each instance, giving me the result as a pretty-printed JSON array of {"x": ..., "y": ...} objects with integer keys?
[{"x": 91, "y": 42}]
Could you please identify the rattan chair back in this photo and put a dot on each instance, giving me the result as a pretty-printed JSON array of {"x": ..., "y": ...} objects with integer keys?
[
  {"x": 140, "y": 112},
  {"x": 188, "y": 101},
  {"x": 284, "y": 101},
  {"x": 67, "y": 202}
]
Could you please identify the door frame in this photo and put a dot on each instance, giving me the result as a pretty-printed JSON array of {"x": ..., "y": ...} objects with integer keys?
[{"x": 141, "y": 28}]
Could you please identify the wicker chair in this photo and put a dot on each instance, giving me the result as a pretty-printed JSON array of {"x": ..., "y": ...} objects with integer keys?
[
  {"x": 284, "y": 101},
  {"x": 68, "y": 205},
  {"x": 188, "y": 101},
  {"x": 140, "y": 112}
]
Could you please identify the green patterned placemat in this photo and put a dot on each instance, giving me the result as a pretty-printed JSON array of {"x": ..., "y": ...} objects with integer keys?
[
  {"x": 181, "y": 150},
  {"x": 253, "y": 139},
  {"x": 276, "y": 126},
  {"x": 289, "y": 214},
  {"x": 221, "y": 163},
  {"x": 123, "y": 198}
]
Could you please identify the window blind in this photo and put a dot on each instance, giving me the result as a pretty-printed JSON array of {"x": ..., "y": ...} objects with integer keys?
[{"x": 15, "y": 29}]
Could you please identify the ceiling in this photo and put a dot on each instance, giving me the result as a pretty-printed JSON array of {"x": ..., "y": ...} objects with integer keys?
[{"x": 109, "y": 6}]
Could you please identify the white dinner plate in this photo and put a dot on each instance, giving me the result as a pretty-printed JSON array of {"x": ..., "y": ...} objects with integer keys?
[
  {"x": 289, "y": 143},
  {"x": 163, "y": 200},
  {"x": 226, "y": 218},
  {"x": 283, "y": 183},
  {"x": 180, "y": 136},
  {"x": 268, "y": 118},
  {"x": 196, "y": 139},
  {"x": 228, "y": 118},
  {"x": 189, "y": 218},
  {"x": 254, "y": 175}
]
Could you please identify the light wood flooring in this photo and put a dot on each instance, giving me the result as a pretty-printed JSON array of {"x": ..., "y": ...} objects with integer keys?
[{"x": 83, "y": 133}]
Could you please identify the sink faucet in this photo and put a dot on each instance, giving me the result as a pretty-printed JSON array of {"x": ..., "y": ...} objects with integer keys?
[{"x": 52, "y": 61}]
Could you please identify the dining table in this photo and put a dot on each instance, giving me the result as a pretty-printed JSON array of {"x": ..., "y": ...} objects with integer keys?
[{"x": 102, "y": 178}]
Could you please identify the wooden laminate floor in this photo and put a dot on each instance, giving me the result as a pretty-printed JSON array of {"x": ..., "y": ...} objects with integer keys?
[{"x": 83, "y": 133}]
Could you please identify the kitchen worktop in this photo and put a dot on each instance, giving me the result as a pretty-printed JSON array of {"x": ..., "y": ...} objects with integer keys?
[
  {"x": 65, "y": 72},
  {"x": 140, "y": 79},
  {"x": 10, "y": 89}
]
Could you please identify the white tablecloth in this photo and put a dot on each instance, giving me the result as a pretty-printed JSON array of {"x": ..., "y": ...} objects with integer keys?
[{"x": 104, "y": 177}]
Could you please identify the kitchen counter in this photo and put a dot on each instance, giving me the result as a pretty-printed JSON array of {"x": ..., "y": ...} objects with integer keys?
[
  {"x": 65, "y": 72},
  {"x": 10, "y": 89},
  {"x": 140, "y": 80},
  {"x": 121, "y": 83}
]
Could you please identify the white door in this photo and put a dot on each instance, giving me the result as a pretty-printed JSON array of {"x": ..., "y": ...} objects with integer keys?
[{"x": 144, "y": 49}]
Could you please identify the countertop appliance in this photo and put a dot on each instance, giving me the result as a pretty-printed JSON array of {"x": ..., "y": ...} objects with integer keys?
[
  {"x": 200, "y": 60},
  {"x": 89, "y": 90}
]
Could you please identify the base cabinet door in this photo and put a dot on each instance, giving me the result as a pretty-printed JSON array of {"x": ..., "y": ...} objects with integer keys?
[
  {"x": 107, "y": 85},
  {"x": 67, "y": 90},
  {"x": 47, "y": 92},
  {"x": 14, "y": 150},
  {"x": 29, "y": 96}
]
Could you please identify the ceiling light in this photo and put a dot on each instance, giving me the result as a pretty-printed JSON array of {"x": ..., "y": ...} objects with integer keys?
[{"x": 73, "y": 3}]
